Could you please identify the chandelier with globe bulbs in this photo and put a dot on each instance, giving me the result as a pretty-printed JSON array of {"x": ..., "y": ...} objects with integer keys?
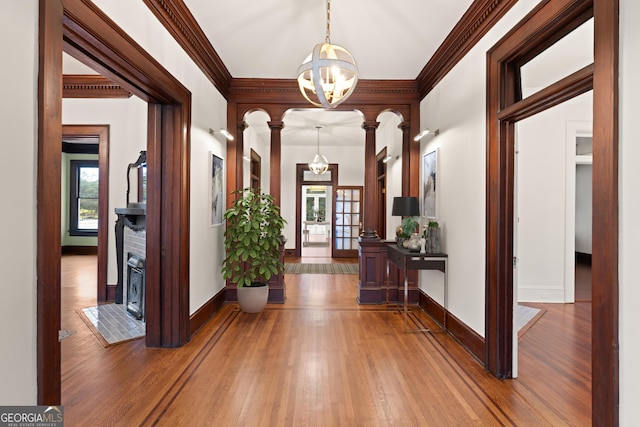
[
  {"x": 329, "y": 74},
  {"x": 318, "y": 164}
]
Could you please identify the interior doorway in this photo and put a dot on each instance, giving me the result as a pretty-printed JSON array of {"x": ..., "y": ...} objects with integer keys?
[
  {"x": 505, "y": 107},
  {"x": 82, "y": 137},
  {"x": 547, "y": 218},
  {"x": 109, "y": 50},
  {"x": 317, "y": 213}
]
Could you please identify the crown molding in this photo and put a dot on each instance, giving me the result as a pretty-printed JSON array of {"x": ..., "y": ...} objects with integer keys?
[
  {"x": 181, "y": 24},
  {"x": 178, "y": 20},
  {"x": 481, "y": 16},
  {"x": 279, "y": 91},
  {"x": 91, "y": 86}
]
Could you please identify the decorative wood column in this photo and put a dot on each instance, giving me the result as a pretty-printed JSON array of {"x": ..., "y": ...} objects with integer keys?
[
  {"x": 405, "y": 127},
  {"x": 275, "y": 161},
  {"x": 410, "y": 168},
  {"x": 370, "y": 216},
  {"x": 372, "y": 252},
  {"x": 276, "y": 284}
]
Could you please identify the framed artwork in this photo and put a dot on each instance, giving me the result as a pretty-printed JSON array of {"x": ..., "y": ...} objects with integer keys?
[
  {"x": 216, "y": 189},
  {"x": 429, "y": 181}
]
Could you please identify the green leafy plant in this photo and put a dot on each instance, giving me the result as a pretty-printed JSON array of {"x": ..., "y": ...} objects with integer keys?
[
  {"x": 252, "y": 238},
  {"x": 408, "y": 227},
  {"x": 433, "y": 224}
]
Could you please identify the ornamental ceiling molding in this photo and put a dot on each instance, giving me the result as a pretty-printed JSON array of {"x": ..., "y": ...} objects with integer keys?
[
  {"x": 481, "y": 16},
  {"x": 178, "y": 20},
  {"x": 279, "y": 91},
  {"x": 91, "y": 86}
]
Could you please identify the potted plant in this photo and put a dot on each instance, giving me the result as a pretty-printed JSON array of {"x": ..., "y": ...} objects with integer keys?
[
  {"x": 405, "y": 230},
  {"x": 253, "y": 236}
]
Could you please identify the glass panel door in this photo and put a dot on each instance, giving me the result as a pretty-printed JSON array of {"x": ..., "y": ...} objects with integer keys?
[{"x": 347, "y": 226}]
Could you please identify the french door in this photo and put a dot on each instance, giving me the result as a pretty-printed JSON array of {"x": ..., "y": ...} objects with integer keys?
[{"x": 348, "y": 223}]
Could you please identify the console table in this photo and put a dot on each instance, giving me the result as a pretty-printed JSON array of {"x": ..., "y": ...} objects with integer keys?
[{"x": 406, "y": 260}]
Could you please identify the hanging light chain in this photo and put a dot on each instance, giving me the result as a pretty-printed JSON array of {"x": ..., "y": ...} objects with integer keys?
[{"x": 328, "y": 36}]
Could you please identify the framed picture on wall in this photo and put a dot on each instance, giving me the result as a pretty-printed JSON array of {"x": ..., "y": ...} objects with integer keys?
[
  {"x": 216, "y": 189},
  {"x": 429, "y": 181}
]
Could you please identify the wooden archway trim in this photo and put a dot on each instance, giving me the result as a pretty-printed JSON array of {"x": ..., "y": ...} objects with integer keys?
[
  {"x": 504, "y": 108},
  {"x": 80, "y": 28},
  {"x": 102, "y": 133}
]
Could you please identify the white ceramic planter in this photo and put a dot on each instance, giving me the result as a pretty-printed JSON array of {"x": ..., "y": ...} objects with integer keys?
[{"x": 253, "y": 299}]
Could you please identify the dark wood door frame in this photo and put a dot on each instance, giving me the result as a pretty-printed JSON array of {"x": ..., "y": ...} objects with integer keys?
[
  {"x": 381, "y": 175},
  {"x": 300, "y": 169},
  {"x": 546, "y": 24},
  {"x": 81, "y": 29},
  {"x": 101, "y": 132}
]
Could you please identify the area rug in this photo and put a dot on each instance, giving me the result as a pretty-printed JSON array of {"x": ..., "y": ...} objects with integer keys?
[
  {"x": 111, "y": 324},
  {"x": 291, "y": 268},
  {"x": 315, "y": 244},
  {"x": 526, "y": 317}
]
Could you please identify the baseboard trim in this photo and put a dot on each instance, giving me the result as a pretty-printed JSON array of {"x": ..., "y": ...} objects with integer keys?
[
  {"x": 79, "y": 250},
  {"x": 206, "y": 312},
  {"x": 111, "y": 293},
  {"x": 467, "y": 337}
]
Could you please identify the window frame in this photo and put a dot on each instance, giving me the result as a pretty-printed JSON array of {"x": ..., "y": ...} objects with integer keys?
[{"x": 74, "y": 167}]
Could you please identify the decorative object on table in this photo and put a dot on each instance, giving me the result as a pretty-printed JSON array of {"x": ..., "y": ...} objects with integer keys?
[
  {"x": 432, "y": 236},
  {"x": 252, "y": 242},
  {"x": 423, "y": 243},
  {"x": 429, "y": 180},
  {"x": 408, "y": 207},
  {"x": 414, "y": 242},
  {"x": 408, "y": 228}
]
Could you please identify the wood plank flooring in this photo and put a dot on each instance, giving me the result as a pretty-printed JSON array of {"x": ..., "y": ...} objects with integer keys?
[{"x": 319, "y": 360}]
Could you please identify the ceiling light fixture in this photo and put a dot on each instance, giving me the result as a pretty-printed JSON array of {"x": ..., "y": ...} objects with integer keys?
[
  {"x": 426, "y": 132},
  {"x": 318, "y": 164},
  {"x": 223, "y": 132},
  {"x": 329, "y": 75},
  {"x": 389, "y": 157}
]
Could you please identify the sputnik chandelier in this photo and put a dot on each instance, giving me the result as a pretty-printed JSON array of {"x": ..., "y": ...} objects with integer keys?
[
  {"x": 329, "y": 75},
  {"x": 318, "y": 164}
]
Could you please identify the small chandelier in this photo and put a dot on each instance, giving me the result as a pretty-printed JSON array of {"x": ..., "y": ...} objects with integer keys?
[
  {"x": 318, "y": 164},
  {"x": 329, "y": 75}
]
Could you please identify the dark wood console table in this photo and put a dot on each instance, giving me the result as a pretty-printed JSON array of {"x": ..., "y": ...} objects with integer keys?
[{"x": 406, "y": 260}]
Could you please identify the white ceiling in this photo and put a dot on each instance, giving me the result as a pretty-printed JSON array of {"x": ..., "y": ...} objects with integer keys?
[
  {"x": 389, "y": 40},
  {"x": 271, "y": 38}
]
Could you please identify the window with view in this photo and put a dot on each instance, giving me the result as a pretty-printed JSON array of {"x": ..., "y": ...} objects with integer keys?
[{"x": 83, "y": 212}]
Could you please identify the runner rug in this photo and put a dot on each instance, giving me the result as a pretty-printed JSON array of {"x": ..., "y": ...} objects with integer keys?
[{"x": 291, "y": 268}]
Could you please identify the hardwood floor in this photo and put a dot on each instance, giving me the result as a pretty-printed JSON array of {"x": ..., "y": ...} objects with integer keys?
[{"x": 319, "y": 360}]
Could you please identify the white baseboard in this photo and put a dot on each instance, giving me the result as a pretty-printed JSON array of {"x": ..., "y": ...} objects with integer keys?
[{"x": 543, "y": 295}]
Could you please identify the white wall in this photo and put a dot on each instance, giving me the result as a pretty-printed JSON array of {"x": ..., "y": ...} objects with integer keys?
[
  {"x": 127, "y": 120},
  {"x": 18, "y": 115},
  {"x": 253, "y": 140},
  {"x": 629, "y": 270},
  {"x": 388, "y": 135},
  {"x": 545, "y": 168},
  {"x": 584, "y": 204},
  {"x": 208, "y": 111},
  {"x": 457, "y": 107}
]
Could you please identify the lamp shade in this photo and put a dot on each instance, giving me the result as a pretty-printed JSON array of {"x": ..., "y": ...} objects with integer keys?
[{"x": 405, "y": 206}]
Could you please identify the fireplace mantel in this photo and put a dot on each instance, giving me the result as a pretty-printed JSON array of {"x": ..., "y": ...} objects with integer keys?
[{"x": 132, "y": 217}]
